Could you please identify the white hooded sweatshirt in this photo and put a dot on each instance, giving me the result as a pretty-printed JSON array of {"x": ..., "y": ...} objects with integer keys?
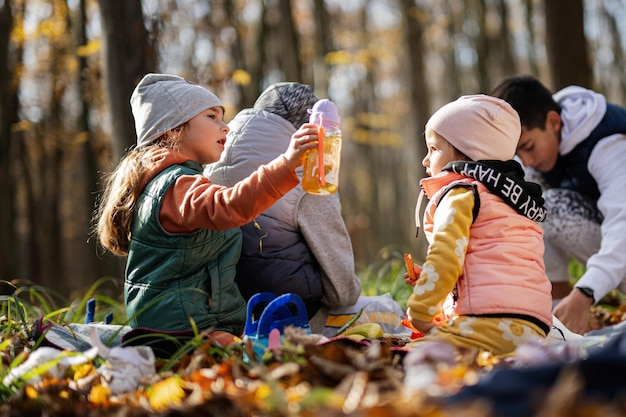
[{"x": 582, "y": 110}]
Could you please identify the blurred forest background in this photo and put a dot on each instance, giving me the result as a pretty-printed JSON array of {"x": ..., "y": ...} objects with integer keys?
[{"x": 67, "y": 68}]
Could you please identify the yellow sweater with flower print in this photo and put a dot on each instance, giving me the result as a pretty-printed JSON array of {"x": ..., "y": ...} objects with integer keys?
[{"x": 495, "y": 260}]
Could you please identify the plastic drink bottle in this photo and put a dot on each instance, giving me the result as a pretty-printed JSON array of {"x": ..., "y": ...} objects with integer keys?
[{"x": 321, "y": 166}]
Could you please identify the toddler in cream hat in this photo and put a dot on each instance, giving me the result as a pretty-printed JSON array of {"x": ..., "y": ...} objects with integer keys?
[
  {"x": 480, "y": 126},
  {"x": 483, "y": 282}
]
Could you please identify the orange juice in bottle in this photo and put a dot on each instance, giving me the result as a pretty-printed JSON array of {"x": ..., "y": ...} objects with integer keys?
[{"x": 321, "y": 166}]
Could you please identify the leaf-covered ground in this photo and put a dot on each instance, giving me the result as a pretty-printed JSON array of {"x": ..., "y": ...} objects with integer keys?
[{"x": 302, "y": 377}]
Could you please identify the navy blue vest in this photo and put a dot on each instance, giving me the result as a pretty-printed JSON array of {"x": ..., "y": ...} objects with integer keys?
[
  {"x": 571, "y": 170},
  {"x": 275, "y": 257}
]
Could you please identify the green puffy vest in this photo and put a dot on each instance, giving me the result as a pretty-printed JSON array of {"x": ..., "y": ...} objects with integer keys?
[{"x": 174, "y": 277}]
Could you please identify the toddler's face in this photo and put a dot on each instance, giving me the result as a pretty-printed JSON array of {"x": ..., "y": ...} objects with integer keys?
[{"x": 440, "y": 152}]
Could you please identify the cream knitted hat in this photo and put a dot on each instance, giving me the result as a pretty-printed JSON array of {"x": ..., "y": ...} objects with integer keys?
[
  {"x": 162, "y": 102},
  {"x": 480, "y": 126}
]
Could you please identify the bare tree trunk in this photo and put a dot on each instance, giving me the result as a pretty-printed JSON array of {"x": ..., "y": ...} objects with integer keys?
[
  {"x": 91, "y": 265},
  {"x": 80, "y": 39},
  {"x": 364, "y": 223},
  {"x": 566, "y": 44},
  {"x": 505, "y": 59},
  {"x": 8, "y": 117},
  {"x": 482, "y": 46},
  {"x": 417, "y": 82},
  {"x": 532, "y": 55},
  {"x": 618, "y": 52},
  {"x": 290, "y": 54},
  {"x": 493, "y": 49},
  {"x": 244, "y": 58},
  {"x": 50, "y": 147},
  {"x": 41, "y": 160},
  {"x": 418, "y": 97},
  {"x": 322, "y": 47},
  {"x": 453, "y": 84},
  {"x": 280, "y": 41},
  {"x": 128, "y": 55},
  {"x": 387, "y": 167}
]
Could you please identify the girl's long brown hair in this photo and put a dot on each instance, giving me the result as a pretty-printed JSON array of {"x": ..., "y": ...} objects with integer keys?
[{"x": 113, "y": 217}]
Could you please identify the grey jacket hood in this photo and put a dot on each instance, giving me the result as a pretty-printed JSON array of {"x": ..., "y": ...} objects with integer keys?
[
  {"x": 255, "y": 138},
  {"x": 288, "y": 100},
  {"x": 260, "y": 134}
]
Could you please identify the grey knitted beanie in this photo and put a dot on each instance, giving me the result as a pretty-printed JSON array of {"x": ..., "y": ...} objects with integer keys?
[
  {"x": 162, "y": 102},
  {"x": 289, "y": 100}
]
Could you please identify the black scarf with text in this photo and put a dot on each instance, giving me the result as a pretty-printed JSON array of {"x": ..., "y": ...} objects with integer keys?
[{"x": 506, "y": 180}]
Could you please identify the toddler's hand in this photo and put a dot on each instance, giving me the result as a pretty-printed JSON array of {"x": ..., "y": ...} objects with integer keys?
[
  {"x": 303, "y": 140},
  {"x": 413, "y": 270},
  {"x": 424, "y": 326}
]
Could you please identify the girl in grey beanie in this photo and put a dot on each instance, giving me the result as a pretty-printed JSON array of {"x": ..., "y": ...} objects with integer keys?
[{"x": 179, "y": 231}]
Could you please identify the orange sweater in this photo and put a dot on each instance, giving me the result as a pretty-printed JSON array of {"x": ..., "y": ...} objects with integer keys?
[{"x": 194, "y": 202}]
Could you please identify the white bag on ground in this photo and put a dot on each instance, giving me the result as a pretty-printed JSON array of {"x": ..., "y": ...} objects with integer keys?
[{"x": 381, "y": 309}]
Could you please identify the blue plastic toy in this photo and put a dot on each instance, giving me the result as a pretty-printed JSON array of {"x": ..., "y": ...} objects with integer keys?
[
  {"x": 280, "y": 312},
  {"x": 90, "y": 310}
]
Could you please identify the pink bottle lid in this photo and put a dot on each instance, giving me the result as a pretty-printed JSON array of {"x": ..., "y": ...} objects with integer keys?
[{"x": 324, "y": 110}]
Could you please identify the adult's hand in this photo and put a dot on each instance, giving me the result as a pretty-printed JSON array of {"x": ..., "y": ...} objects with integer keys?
[{"x": 573, "y": 311}]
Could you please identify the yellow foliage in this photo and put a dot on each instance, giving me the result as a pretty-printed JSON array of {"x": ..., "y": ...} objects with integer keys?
[
  {"x": 21, "y": 126},
  {"x": 263, "y": 391},
  {"x": 378, "y": 138},
  {"x": 30, "y": 392},
  {"x": 298, "y": 393},
  {"x": 81, "y": 137},
  {"x": 52, "y": 28},
  {"x": 375, "y": 120},
  {"x": 92, "y": 47},
  {"x": 363, "y": 57},
  {"x": 18, "y": 35},
  {"x": 166, "y": 393},
  {"x": 241, "y": 77},
  {"x": 81, "y": 371},
  {"x": 99, "y": 395},
  {"x": 339, "y": 57}
]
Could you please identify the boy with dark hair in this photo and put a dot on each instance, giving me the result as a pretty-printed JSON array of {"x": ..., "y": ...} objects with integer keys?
[{"x": 577, "y": 141}]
